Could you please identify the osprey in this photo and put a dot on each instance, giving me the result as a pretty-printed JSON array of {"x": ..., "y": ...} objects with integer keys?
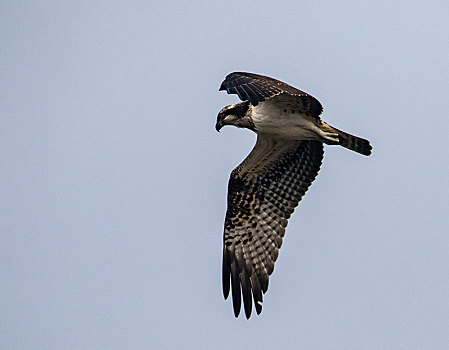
[{"x": 267, "y": 186}]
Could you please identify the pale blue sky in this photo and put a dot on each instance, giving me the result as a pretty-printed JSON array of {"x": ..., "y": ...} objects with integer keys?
[{"x": 113, "y": 178}]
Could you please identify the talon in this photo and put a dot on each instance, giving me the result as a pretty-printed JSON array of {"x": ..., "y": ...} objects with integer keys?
[{"x": 331, "y": 136}]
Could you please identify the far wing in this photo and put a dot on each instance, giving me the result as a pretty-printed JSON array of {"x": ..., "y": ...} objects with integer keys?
[{"x": 258, "y": 88}]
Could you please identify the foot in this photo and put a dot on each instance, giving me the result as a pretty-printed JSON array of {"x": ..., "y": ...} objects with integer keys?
[{"x": 330, "y": 136}]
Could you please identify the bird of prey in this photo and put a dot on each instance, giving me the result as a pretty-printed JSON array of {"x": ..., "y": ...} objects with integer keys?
[{"x": 266, "y": 187}]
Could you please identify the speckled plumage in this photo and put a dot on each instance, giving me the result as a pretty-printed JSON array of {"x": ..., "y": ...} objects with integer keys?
[
  {"x": 260, "y": 201},
  {"x": 266, "y": 187}
]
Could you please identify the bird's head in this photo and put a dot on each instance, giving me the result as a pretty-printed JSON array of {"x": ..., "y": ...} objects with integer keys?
[{"x": 238, "y": 114}]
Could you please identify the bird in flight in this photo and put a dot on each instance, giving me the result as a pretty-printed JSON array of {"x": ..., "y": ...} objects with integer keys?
[{"x": 264, "y": 190}]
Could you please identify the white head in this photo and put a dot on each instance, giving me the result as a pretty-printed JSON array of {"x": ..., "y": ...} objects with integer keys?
[{"x": 238, "y": 114}]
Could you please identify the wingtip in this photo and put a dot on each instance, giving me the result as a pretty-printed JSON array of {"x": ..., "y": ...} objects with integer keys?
[
  {"x": 258, "y": 308},
  {"x": 223, "y": 84}
]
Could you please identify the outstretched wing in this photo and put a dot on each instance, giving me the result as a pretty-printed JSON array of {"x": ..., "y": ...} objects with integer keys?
[
  {"x": 262, "y": 194},
  {"x": 257, "y": 88}
]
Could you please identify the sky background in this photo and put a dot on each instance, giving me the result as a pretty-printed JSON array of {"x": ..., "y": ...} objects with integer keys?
[{"x": 113, "y": 179}]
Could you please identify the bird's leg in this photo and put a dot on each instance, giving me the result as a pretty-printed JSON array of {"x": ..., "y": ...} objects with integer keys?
[
  {"x": 325, "y": 132},
  {"x": 329, "y": 136}
]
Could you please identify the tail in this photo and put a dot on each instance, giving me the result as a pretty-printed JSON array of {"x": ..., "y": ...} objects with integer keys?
[{"x": 351, "y": 142}]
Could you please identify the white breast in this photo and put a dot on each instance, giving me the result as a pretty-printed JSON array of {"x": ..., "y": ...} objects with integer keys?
[{"x": 284, "y": 123}]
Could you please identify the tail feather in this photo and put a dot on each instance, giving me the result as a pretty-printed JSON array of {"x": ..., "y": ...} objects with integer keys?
[{"x": 352, "y": 142}]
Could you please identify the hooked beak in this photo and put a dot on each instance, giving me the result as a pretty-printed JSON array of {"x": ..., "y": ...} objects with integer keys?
[{"x": 219, "y": 125}]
